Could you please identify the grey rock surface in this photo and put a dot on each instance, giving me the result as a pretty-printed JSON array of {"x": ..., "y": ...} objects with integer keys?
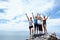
[{"x": 51, "y": 36}]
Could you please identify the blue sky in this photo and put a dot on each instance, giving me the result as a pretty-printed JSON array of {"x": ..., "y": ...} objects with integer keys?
[{"x": 12, "y": 14}]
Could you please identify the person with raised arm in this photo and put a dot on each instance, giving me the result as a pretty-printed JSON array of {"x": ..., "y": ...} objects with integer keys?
[
  {"x": 35, "y": 23},
  {"x": 30, "y": 24},
  {"x": 44, "y": 23},
  {"x": 40, "y": 22}
]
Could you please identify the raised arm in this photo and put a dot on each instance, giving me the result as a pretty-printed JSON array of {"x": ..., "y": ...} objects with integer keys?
[
  {"x": 27, "y": 17},
  {"x": 41, "y": 19},
  {"x": 38, "y": 14},
  {"x": 46, "y": 17},
  {"x": 33, "y": 15}
]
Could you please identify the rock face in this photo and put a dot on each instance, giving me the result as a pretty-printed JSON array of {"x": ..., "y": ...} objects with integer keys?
[{"x": 44, "y": 37}]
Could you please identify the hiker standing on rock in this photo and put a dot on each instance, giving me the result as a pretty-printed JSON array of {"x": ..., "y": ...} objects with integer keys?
[
  {"x": 35, "y": 23},
  {"x": 40, "y": 22},
  {"x": 30, "y": 24},
  {"x": 44, "y": 23}
]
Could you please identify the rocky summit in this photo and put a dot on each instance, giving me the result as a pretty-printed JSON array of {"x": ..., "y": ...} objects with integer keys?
[{"x": 51, "y": 36}]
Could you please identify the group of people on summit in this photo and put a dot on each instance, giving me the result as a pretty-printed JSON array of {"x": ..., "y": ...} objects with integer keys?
[{"x": 37, "y": 24}]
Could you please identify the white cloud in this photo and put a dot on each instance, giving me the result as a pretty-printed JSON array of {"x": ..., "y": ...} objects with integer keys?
[
  {"x": 14, "y": 27},
  {"x": 17, "y": 7},
  {"x": 39, "y": 6},
  {"x": 54, "y": 22},
  {"x": 58, "y": 12},
  {"x": 53, "y": 25},
  {"x": 3, "y": 4}
]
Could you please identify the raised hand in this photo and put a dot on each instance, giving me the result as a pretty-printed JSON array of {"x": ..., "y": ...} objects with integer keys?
[
  {"x": 27, "y": 16},
  {"x": 32, "y": 14}
]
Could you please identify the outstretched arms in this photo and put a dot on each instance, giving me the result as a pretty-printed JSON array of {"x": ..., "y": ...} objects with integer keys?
[
  {"x": 46, "y": 17},
  {"x": 27, "y": 17}
]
